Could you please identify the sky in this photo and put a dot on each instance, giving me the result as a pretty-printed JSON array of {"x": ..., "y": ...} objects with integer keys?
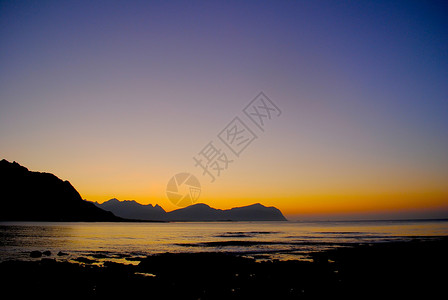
[{"x": 119, "y": 96}]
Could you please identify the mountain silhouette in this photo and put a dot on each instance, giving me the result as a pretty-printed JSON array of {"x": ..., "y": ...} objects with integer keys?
[
  {"x": 196, "y": 212},
  {"x": 203, "y": 212},
  {"x": 36, "y": 196},
  {"x": 130, "y": 209}
]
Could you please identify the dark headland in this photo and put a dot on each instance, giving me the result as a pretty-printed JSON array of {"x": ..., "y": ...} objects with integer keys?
[{"x": 36, "y": 196}]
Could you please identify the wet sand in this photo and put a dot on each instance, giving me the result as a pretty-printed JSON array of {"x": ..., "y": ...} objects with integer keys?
[{"x": 414, "y": 268}]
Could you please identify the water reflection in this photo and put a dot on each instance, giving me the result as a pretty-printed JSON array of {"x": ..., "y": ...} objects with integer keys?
[{"x": 125, "y": 241}]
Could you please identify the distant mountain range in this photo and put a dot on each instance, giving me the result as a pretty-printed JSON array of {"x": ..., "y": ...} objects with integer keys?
[
  {"x": 36, "y": 196},
  {"x": 196, "y": 212},
  {"x": 130, "y": 209}
]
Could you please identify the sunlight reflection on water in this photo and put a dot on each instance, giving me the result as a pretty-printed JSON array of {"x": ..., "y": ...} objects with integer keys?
[{"x": 281, "y": 240}]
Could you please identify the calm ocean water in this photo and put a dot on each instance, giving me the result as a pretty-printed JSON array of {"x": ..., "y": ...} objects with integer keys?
[{"x": 281, "y": 240}]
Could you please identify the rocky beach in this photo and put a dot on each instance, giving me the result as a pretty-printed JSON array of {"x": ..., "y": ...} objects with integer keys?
[{"x": 390, "y": 269}]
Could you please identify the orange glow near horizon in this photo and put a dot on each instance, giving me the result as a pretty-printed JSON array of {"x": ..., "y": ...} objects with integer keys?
[
  {"x": 293, "y": 193},
  {"x": 313, "y": 204},
  {"x": 122, "y": 100}
]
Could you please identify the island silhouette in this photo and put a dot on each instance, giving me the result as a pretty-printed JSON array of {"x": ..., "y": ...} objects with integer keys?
[
  {"x": 36, "y": 196},
  {"x": 197, "y": 212}
]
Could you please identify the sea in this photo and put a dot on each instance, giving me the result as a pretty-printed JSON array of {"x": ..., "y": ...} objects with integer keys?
[{"x": 129, "y": 242}]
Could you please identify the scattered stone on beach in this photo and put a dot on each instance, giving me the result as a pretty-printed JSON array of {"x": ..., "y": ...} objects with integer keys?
[
  {"x": 84, "y": 260},
  {"x": 135, "y": 258},
  {"x": 122, "y": 255},
  {"x": 100, "y": 255},
  {"x": 46, "y": 253},
  {"x": 35, "y": 254},
  {"x": 383, "y": 270},
  {"x": 60, "y": 253}
]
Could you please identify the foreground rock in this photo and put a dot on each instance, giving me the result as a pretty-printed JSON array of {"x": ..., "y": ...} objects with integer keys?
[
  {"x": 390, "y": 270},
  {"x": 35, "y": 254}
]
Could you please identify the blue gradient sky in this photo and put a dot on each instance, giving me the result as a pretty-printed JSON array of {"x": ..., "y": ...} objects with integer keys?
[{"x": 118, "y": 96}]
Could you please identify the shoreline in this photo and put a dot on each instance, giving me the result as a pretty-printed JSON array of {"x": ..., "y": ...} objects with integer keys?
[
  {"x": 396, "y": 268},
  {"x": 124, "y": 220}
]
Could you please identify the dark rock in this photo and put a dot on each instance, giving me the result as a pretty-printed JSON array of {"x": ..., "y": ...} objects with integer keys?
[
  {"x": 84, "y": 260},
  {"x": 60, "y": 253},
  {"x": 36, "y": 254},
  {"x": 46, "y": 253},
  {"x": 35, "y": 196},
  {"x": 402, "y": 270},
  {"x": 136, "y": 258},
  {"x": 48, "y": 261},
  {"x": 100, "y": 255},
  {"x": 320, "y": 258}
]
